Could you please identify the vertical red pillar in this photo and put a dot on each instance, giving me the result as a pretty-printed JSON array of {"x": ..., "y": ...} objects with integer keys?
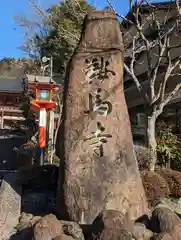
[{"x": 42, "y": 128}]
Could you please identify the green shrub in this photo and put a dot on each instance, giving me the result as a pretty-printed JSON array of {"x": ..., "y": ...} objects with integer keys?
[
  {"x": 173, "y": 179},
  {"x": 168, "y": 147},
  {"x": 156, "y": 188}
]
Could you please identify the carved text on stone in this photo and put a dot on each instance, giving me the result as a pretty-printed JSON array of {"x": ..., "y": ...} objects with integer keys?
[
  {"x": 98, "y": 138},
  {"x": 96, "y": 104},
  {"x": 97, "y": 69}
]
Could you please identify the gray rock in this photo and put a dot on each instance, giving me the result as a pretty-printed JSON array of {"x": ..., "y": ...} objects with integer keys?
[
  {"x": 111, "y": 224},
  {"x": 168, "y": 203},
  {"x": 178, "y": 208},
  {"x": 162, "y": 236},
  {"x": 47, "y": 228},
  {"x": 174, "y": 206},
  {"x": 25, "y": 217},
  {"x": 166, "y": 219},
  {"x": 10, "y": 205},
  {"x": 73, "y": 229},
  {"x": 64, "y": 237},
  {"x": 140, "y": 232}
]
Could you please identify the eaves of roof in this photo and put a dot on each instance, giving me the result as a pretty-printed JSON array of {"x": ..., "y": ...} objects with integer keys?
[{"x": 145, "y": 9}]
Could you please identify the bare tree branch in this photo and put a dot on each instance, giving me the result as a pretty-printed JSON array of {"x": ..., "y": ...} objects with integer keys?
[
  {"x": 162, "y": 48},
  {"x": 178, "y": 6},
  {"x": 118, "y": 15},
  {"x": 43, "y": 14},
  {"x": 171, "y": 94},
  {"x": 147, "y": 46}
]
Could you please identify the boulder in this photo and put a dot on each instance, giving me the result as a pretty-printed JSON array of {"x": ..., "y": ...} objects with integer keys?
[
  {"x": 165, "y": 218},
  {"x": 26, "y": 222},
  {"x": 100, "y": 169},
  {"x": 176, "y": 232},
  {"x": 64, "y": 237},
  {"x": 25, "y": 217},
  {"x": 10, "y": 204},
  {"x": 47, "y": 228},
  {"x": 111, "y": 224},
  {"x": 72, "y": 229},
  {"x": 168, "y": 203},
  {"x": 162, "y": 236},
  {"x": 110, "y": 234},
  {"x": 140, "y": 232}
]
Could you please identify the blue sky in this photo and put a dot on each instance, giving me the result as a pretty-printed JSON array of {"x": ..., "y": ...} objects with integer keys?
[{"x": 12, "y": 36}]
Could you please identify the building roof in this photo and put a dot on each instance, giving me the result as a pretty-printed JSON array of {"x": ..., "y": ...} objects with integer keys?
[
  {"x": 145, "y": 8},
  {"x": 38, "y": 79},
  {"x": 10, "y": 85}
]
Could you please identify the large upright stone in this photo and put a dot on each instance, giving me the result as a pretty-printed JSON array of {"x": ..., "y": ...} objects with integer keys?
[{"x": 97, "y": 149}]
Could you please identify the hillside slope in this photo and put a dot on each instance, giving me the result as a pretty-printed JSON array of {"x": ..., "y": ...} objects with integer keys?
[{"x": 15, "y": 68}]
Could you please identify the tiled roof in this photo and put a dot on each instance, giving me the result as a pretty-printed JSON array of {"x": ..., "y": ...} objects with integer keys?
[
  {"x": 10, "y": 85},
  {"x": 14, "y": 85},
  {"x": 39, "y": 79}
]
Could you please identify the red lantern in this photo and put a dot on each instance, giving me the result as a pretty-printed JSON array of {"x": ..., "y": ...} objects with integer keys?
[{"x": 40, "y": 105}]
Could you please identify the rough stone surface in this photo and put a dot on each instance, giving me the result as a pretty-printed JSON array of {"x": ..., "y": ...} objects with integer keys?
[
  {"x": 96, "y": 145},
  {"x": 47, "y": 228},
  {"x": 72, "y": 229},
  {"x": 110, "y": 234},
  {"x": 63, "y": 237},
  {"x": 140, "y": 232},
  {"x": 25, "y": 217},
  {"x": 24, "y": 227},
  {"x": 26, "y": 221},
  {"x": 162, "y": 236},
  {"x": 111, "y": 224},
  {"x": 10, "y": 205},
  {"x": 165, "y": 218},
  {"x": 167, "y": 203},
  {"x": 176, "y": 232}
]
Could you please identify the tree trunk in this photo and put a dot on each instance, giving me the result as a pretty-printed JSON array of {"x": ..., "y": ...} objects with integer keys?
[{"x": 151, "y": 141}]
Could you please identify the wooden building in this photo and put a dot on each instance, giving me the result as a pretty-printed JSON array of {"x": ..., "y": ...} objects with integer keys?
[
  {"x": 134, "y": 99},
  {"x": 11, "y": 97}
]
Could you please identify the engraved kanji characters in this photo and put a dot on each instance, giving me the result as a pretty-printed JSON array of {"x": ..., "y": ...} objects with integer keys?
[
  {"x": 97, "y": 69},
  {"x": 96, "y": 104},
  {"x": 98, "y": 138}
]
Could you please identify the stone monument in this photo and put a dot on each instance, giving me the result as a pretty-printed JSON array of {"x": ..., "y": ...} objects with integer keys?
[{"x": 100, "y": 168}]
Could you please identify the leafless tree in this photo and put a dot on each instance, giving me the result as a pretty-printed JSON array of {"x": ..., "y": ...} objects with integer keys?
[
  {"x": 37, "y": 30},
  {"x": 158, "y": 53}
]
